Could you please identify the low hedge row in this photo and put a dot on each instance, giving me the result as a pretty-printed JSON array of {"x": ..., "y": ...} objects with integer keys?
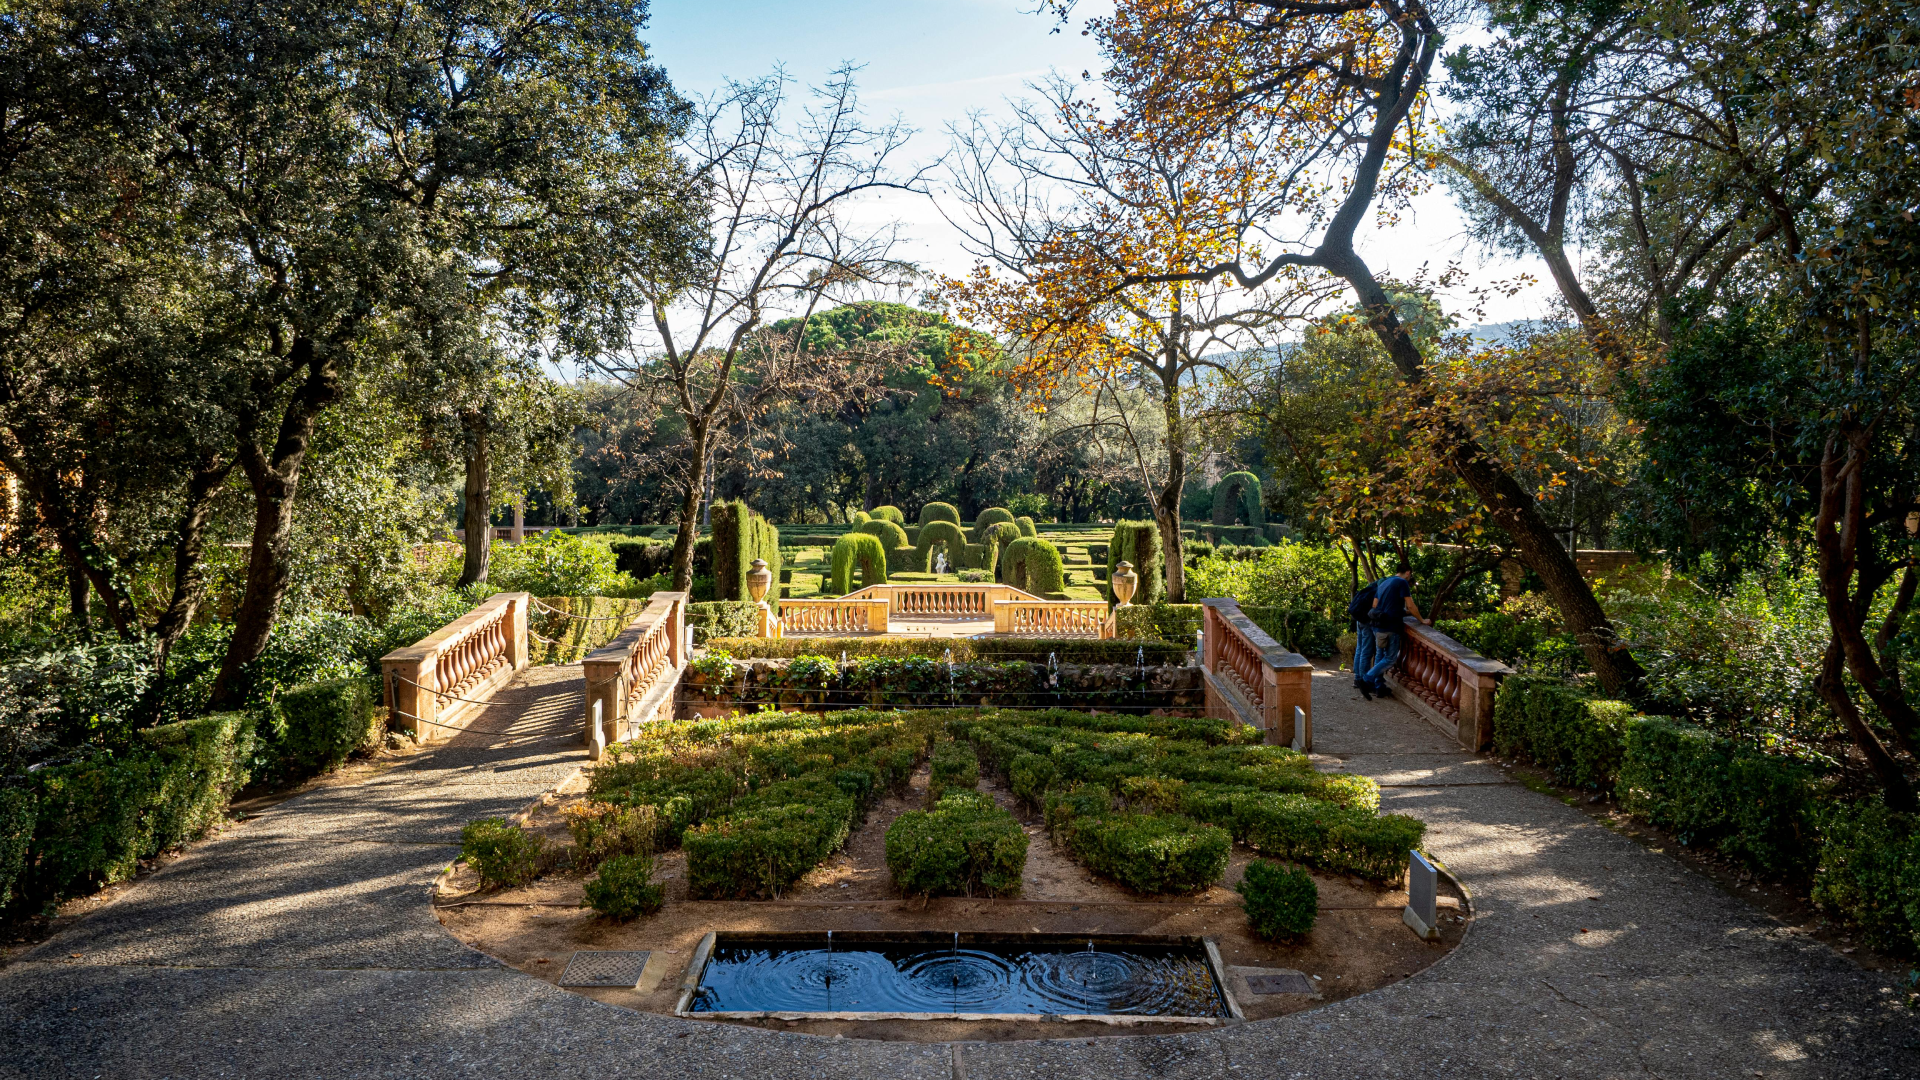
[
  {"x": 965, "y": 845},
  {"x": 1870, "y": 872},
  {"x": 1175, "y": 624},
  {"x": 722, "y": 619},
  {"x": 1281, "y": 902},
  {"x": 923, "y": 682},
  {"x": 1758, "y": 808},
  {"x": 1148, "y": 852},
  {"x": 321, "y": 723},
  {"x": 1033, "y": 650}
]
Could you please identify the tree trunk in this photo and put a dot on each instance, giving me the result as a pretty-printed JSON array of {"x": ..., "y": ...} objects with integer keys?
[
  {"x": 1833, "y": 689},
  {"x": 77, "y": 596},
  {"x": 188, "y": 545},
  {"x": 683, "y": 540},
  {"x": 477, "y": 517},
  {"x": 1166, "y": 510},
  {"x": 274, "y": 474}
]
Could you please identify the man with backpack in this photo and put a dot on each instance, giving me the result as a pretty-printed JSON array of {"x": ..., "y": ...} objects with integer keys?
[
  {"x": 1392, "y": 602},
  {"x": 1358, "y": 609}
]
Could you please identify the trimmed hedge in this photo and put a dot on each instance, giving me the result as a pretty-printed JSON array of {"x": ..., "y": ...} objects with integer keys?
[
  {"x": 728, "y": 619},
  {"x": 17, "y": 813},
  {"x": 892, "y": 536},
  {"x": 887, "y": 513},
  {"x": 1297, "y": 828},
  {"x": 1758, "y": 808},
  {"x": 756, "y": 853},
  {"x": 324, "y": 722},
  {"x": 602, "y": 618},
  {"x": 625, "y": 888},
  {"x": 964, "y": 844},
  {"x": 1579, "y": 739},
  {"x": 740, "y": 536},
  {"x": 991, "y": 516},
  {"x": 1236, "y": 496},
  {"x": 502, "y": 853},
  {"x": 954, "y": 765},
  {"x": 1138, "y": 542},
  {"x": 939, "y": 511},
  {"x": 641, "y": 558},
  {"x": 1027, "y": 527},
  {"x": 965, "y": 650},
  {"x": 95, "y": 820},
  {"x": 858, "y": 549},
  {"x": 1175, "y": 624},
  {"x": 1147, "y": 852},
  {"x": 1870, "y": 873},
  {"x": 939, "y": 531},
  {"x": 992, "y": 548},
  {"x": 1033, "y": 565},
  {"x": 1280, "y": 901}
]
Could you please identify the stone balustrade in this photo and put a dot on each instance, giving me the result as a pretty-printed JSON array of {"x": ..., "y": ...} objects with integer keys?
[
  {"x": 1053, "y": 618},
  {"x": 631, "y": 680},
  {"x": 1448, "y": 683},
  {"x": 845, "y": 615},
  {"x": 1253, "y": 678},
  {"x": 941, "y": 601},
  {"x": 435, "y": 686}
]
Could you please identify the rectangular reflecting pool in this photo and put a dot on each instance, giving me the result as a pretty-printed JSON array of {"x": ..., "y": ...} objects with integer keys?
[{"x": 1033, "y": 975}]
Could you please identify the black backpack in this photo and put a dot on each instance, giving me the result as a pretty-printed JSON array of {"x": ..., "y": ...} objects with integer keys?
[{"x": 1361, "y": 604}]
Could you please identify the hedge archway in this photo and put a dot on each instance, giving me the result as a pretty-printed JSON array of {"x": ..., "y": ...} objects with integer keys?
[
  {"x": 939, "y": 511},
  {"x": 988, "y": 518},
  {"x": 993, "y": 545},
  {"x": 857, "y": 549},
  {"x": 947, "y": 532},
  {"x": 1237, "y": 496},
  {"x": 891, "y": 535},
  {"x": 1034, "y": 565},
  {"x": 887, "y": 513}
]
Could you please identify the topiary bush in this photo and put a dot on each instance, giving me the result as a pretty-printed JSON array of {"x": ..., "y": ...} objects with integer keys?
[
  {"x": 892, "y": 536},
  {"x": 1150, "y": 853},
  {"x": 993, "y": 515},
  {"x": 322, "y": 723},
  {"x": 756, "y": 852},
  {"x": 1029, "y": 776},
  {"x": 989, "y": 553},
  {"x": 939, "y": 511},
  {"x": 1027, "y": 527},
  {"x": 1281, "y": 902},
  {"x": 941, "y": 532},
  {"x": 1138, "y": 542},
  {"x": 887, "y": 513},
  {"x": 859, "y": 518},
  {"x": 739, "y": 537},
  {"x": 965, "y": 845},
  {"x": 624, "y": 888},
  {"x": 955, "y": 765},
  {"x": 1579, "y": 739},
  {"x": 502, "y": 853},
  {"x": 603, "y": 830},
  {"x": 1033, "y": 565},
  {"x": 722, "y": 619},
  {"x": 856, "y": 550}
]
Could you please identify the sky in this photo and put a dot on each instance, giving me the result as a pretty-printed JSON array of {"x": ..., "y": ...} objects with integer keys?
[{"x": 935, "y": 64}]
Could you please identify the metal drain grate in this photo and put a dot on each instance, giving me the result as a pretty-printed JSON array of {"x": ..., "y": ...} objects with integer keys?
[
  {"x": 604, "y": 968},
  {"x": 1280, "y": 982}
]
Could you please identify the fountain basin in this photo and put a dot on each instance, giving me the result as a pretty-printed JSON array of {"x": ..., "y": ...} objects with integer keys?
[{"x": 933, "y": 975}]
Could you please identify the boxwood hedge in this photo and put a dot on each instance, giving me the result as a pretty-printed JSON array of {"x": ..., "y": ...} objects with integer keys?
[{"x": 964, "y": 846}]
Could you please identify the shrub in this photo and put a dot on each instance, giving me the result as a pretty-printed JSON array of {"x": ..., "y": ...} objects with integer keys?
[
  {"x": 552, "y": 564},
  {"x": 1151, "y": 853},
  {"x": 939, "y": 511},
  {"x": 757, "y": 853},
  {"x": 1870, "y": 873},
  {"x": 17, "y": 811},
  {"x": 887, "y": 513},
  {"x": 1033, "y": 650},
  {"x": 1237, "y": 498},
  {"x": 1307, "y": 830},
  {"x": 1027, "y": 527},
  {"x": 1290, "y": 575},
  {"x": 1280, "y": 901},
  {"x": 603, "y": 831},
  {"x": 324, "y": 722},
  {"x": 1033, "y": 565},
  {"x": 502, "y": 853},
  {"x": 723, "y": 619},
  {"x": 965, "y": 844},
  {"x": 892, "y": 536},
  {"x": 1757, "y": 808},
  {"x": 954, "y": 765},
  {"x": 998, "y": 537},
  {"x": 859, "y": 518},
  {"x": 941, "y": 532},
  {"x": 1308, "y": 633},
  {"x": 1524, "y": 643},
  {"x": 856, "y": 549},
  {"x": 974, "y": 577},
  {"x": 1138, "y": 542},
  {"x": 739, "y": 537},
  {"x": 577, "y": 625},
  {"x": 641, "y": 559},
  {"x": 993, "y": 515},
  {"x": 1175, "y": 624},
  {"x": 201, "y": 764},
  {"x": 1030, "y": 775},
  {"x": 1580, "y": 740},
  {"x": 624, "y": 888}
]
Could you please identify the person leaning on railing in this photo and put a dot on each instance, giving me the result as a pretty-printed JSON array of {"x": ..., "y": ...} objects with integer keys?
[{"x": 1392, "y": 602}]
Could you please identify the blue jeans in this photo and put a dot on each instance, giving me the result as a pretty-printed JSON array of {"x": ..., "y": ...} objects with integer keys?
[
  {"x": 1362, "y": 650},
  {"x": 1386, "y": 653}
]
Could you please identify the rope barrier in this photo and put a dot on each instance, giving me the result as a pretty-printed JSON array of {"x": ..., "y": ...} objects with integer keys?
[{"x": 582, "y": 618}]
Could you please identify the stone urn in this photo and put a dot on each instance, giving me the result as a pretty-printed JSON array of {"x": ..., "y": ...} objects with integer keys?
[
  {"x": 1125, "y": 581},
  {"x": 759, "y": 580}
]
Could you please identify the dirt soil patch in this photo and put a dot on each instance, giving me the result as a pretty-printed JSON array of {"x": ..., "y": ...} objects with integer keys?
[{"x": 1358, "y": 944}]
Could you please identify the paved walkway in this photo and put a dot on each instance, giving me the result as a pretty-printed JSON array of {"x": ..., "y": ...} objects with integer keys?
[{"x": 302, "y": 945}]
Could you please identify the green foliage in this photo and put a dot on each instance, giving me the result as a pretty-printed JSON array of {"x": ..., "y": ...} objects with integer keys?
[
  {"x": 322, "y": 723},
  {"x": 954, "y": 766},
  {"x": 624, "y": 888},
  {"x": 1527, "y": 644},
  {"x": 739, "y": 537},
  {"x": 1870, "y": 874},
  {"x": 577, "y": 625},
  {"x": 991, "y": 516},
  {"x": 1290, "y": 575},
  {"x": 892, "y": 536},
  {"x": 862, "y": 550},
  {"x": 1175, "y": 624},
  {"x": 502, "y": 853},
  {"x": 1580, "y": 740},
  {"x": 1033, "y": 565},
  {"x": 1300, "y": 630},
  {"x": 1027, "y": 528},
  {"x": 989, "y": 553},
  {"x": 1281, "y": 902},
  {"x": 1138, "y": 542},
  {"x": 963, "y": 845},
  {"x": 603, "y": 831},
  {"x": 859, "y": 518},
  {"x": 941, "y": 531},
  {"x": 641, "y": 559},
  {"x": 552, "y": 564},
  {"x": 887, "y": 513},
  {"x": 939, "y": 511},
  {"x": 756, "y": 853},
  {"x": 1757, "y": 808},
  {"x": 1029, "y": 776},
  {"x": 1237, "y": 498},
  {"x": 18, "y": 808},
  {"x": 723, "y": 619},
  {"x": 1149, "y": 853},
  {"x": 964, "y": 650}
]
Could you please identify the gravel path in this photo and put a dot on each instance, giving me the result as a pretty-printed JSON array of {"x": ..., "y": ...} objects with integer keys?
[{"x": 301, "y": 944}]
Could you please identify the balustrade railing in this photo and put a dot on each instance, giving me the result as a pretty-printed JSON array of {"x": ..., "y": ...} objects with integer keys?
[
  {"x": 842, "y": 616},
  {"x": 1253, "y": 678},
  {"x": 962, "y": 601},
  {"x": 1453, "y": 684},
  {"x": 435, "y": 686},
  {"x": 1053, "y": 618},
  {"x": 631, "y": 680}
]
